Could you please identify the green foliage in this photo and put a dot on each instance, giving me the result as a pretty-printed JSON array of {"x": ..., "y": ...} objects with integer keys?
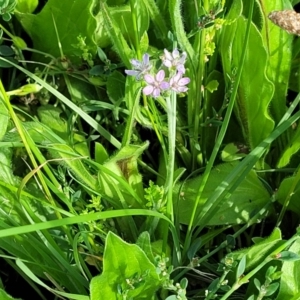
[
  {"x": 5, "y": 296},
  {"x": 252, "y": 103},
  {"x": 289, "y": 280},
  {"x": 127, "y": 272},
  {"x": 72, "y": 21},
  {"x": 244, "y": 202},
  {"x": 98, "y": 177}
]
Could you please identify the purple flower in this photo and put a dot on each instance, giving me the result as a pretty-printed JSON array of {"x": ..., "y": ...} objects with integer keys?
[
  {"x": 140, "y": 68},
  {"x": 155, "y": 84},
  {"x": 174, "y": 60},
  {"x": 178, "y": 84}
]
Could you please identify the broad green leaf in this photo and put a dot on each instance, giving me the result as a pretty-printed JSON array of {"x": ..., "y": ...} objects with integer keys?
[
  {"x": 284, "y": 191},
  {"x": 234, "y": 151},
  {"x": 52, "y": 117},
  {"x": 290, "y": 278},
  {"x": 124, "y": 166},
  {"x": 159, "y": 23},
  {"x": 101, "y": 154},
  {"x": 73, "y": 18},
  {"x": 255, "y": 89},
  {"x": 123, "y": 262},
  {"x": 5, "y": 296},
  {"x": 258, "y": 252},
  {"x": 144, "y": 243},
  {"x": 247, "y": 199},
  {"x": 77, "y": 167},
  {"x": 292, "y": 146},
  {"x": 279, "y": 46},
  {"x": 121, "y": 17}
]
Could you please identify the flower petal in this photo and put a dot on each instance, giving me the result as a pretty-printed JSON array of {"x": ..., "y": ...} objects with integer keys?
[
  {"x": 181, "y": 68},
  {"x": 131, "y": 72},
  {"x": 164, "y": 85},
  {"x": 167, "y": 63},
  {"x": 148, "y": 90},
  {"x": 146, "y": 59},
  {"x": 156, "y": 93},
  {"x": 184, "y": 81},
  {"x": 160, "y": 76},
  {"x": 175, "y": 53},
  {"x": 183, "y": 58},
  {"x": 149, "y": 78},
  {"x": 182, "y": 89},
  {"x": 177, "y": 77},
  {"x": 136, "y": 63},
  {"x": 168, "y": 55}
]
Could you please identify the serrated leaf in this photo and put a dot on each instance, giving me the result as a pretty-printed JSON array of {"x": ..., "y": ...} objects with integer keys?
[{"x": 123, "y": 261}]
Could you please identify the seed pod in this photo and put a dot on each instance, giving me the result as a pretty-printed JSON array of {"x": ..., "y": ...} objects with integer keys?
[{"x": 289, "y": 20}]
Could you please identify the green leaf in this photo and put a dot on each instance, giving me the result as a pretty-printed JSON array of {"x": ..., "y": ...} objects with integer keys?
[
  {"x": 290, "y": 278},
  {"x": 26, "y": 6},
  {"x": 279, "y": 46},
  {"x": 255, "y": 89},
  {"x": 284, "y": 192},
  {"x": 123, "y": 262},
  {"x": 51, "y": 116},
  {"x": 121, "y": 18},
  {"x": 241, "y": 267},
  {"x": 116, "y": 86},
  {"x": 127, "y": 178},
  {"x": 272, "y": 288},
  {"x": 258, "y": 253},
  {"x": 143, "y": 242},
  {"x": 5, "y": 296},
  {"x": 4, "y": 118},
  {"x": 234, "y": 151},
  {"x": 212, "y": 86},
  {"x": 6, "y": 51},
  {"x": 72, "y": 18},
  {"x": 101, "y": 154},
  {"x": 288, "y": 256},
  {"x": 247, "y": 199},
  {"x": 292, "y": 146}
]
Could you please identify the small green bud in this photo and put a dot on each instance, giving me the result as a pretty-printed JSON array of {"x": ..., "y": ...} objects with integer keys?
[{"x": 19, "y": 42}]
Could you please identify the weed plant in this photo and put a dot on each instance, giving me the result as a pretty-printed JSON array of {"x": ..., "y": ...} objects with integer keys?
[{"x": 150, "y": 149}]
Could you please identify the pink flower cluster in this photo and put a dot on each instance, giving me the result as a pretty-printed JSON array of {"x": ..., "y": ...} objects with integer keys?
[{"x": 157, "y": 83}]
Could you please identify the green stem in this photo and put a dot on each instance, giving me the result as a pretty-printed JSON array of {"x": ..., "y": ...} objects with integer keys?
[{"x": 171, "y": 111}]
